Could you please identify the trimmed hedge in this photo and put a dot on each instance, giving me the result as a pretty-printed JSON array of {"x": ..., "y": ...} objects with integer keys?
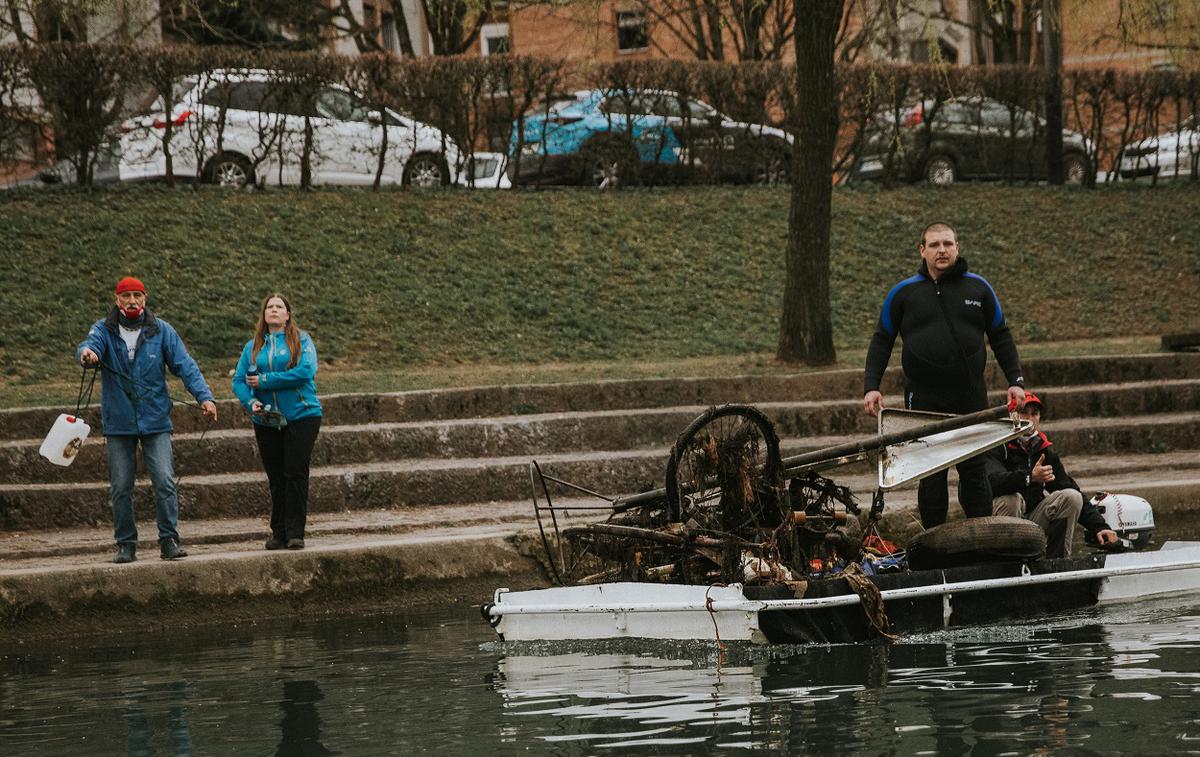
[{"x": 77, "y": 96}]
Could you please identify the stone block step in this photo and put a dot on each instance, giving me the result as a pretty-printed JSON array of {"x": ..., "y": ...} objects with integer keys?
[
  {"x": 37, "y": 549},
  {"x": 422, "y": 482},
  {"x": 1172, "y": 492},
  {"x": 482, "y": 402},
  {"x": 230, "y": 450}
]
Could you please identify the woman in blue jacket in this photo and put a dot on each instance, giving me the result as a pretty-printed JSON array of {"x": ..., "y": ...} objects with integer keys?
[{"x": 274, "y": 380}]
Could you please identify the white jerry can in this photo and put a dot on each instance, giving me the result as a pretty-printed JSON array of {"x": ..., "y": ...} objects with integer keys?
[{"x": 64, "y": 440}]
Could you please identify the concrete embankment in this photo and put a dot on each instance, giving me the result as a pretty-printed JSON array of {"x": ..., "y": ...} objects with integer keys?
[{"x": 423, "y": 496}]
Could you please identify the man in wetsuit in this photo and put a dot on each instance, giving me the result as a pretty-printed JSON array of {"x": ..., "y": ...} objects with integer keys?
[{"x": 943, "y": 314}]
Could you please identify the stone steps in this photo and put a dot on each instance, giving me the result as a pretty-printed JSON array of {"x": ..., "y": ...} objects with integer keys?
[
  {"x": 233, "y": 450},
  {"x": 419, "y": 491},
  {"x": 21, "y": 550},
  {"x": 413, "y": 450},
  {"x": 420, "y": 482},
  {"x": 1170, "y": 481},
  {"x": 484, "y": 402}
]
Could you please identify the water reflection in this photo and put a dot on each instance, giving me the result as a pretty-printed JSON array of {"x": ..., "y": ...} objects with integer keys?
[
  {"x": 301, "y": 724},
  {"x": 1032, "y": 689},
  {"x": 1105, "y": 681},
  {"x": 142, "y": 729}
]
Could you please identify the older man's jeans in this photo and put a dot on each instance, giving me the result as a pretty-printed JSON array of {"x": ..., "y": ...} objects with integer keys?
[{"x": 122, "y": 469}]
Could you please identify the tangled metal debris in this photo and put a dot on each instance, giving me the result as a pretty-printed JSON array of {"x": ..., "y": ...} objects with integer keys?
[{"x": 732, "y": 510}]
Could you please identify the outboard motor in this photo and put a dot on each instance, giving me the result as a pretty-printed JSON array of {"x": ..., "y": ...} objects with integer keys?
[{"x": 1130, "y": 517}]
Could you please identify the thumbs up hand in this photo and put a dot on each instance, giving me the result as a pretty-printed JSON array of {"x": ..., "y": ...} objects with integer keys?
[{"x": 1041, "y": 473}]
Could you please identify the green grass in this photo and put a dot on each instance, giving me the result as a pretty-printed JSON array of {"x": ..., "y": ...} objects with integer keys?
[{"x": 407, "y": 290}]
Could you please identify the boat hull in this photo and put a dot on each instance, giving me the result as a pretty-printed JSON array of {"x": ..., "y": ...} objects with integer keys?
[{"x": 829, "y": 611}]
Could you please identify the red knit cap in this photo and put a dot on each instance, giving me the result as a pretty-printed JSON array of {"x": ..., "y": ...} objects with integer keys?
[{"x": 130, "y": 284}]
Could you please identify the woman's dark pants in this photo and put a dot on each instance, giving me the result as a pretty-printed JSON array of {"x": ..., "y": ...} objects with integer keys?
[{"x": 285, "y": 455}]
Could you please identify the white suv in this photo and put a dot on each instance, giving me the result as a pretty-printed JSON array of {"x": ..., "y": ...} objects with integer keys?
[{"x": 261, "y": 138}]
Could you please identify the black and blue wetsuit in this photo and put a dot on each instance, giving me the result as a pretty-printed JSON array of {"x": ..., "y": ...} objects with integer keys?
[{"x": 944, "y": 369}]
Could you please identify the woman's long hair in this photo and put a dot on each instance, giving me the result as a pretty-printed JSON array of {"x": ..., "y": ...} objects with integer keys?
[{"x": 291, "y": 332}]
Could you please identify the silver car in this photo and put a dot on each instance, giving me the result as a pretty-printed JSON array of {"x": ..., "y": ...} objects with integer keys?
[{"x": 1168, "y": 155}]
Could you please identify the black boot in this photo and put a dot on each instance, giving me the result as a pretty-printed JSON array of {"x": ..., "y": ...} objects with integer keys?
[
  {"x": 126, "y": 553},
  {"x": 169, "y": 549}
]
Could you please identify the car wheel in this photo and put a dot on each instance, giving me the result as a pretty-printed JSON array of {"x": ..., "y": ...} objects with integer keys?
[
  {"x": 940, "y": 171},
  {"x": 772, "y": 166},
  {"x": 228, "y": 170},
  {"x": 425, "y": 172},
  {"x": 1075, "y": 168},
  {"x": 608, "y": 163}
]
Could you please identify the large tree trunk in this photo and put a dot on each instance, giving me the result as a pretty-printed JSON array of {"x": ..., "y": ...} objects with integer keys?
[
  {"x": 806, "y": 328},
  {"x": 1052, "y": 57}
]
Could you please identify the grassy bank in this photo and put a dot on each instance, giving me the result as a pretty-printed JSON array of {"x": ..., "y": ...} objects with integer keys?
[{"x": 429, "y": 287}]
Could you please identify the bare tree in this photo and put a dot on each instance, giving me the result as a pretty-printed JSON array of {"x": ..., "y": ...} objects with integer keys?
[
  {"x": 806, "y": 326},
  {"x": 278, "y": 24},
  {"x": 1157, "y": 25},
  {"x": 454, "y": 24},
  {"x": 29, "y": 21},
  {"x": 1052, "y": 59}
]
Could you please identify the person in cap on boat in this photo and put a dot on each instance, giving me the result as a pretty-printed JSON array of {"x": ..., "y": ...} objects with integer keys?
[
  {"x": 134, "y": 349},
  {"x": 943, "y": 314},
  {"x": 1029, "y": 481}
]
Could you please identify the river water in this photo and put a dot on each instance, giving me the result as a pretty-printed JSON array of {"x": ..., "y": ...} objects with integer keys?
[{"x": 1103, "y": 681}]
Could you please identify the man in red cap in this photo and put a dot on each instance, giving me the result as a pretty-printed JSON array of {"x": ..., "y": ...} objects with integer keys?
[
  {"x": 1029, "y": 481},
  {"x": 134, "y": 349}
]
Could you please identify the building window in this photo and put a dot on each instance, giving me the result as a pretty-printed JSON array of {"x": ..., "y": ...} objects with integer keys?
[
  {"x": 391, "y": 41},
  {"x": 495, "y": 39},
  {"x": 920, "y": 52},
  {"x": 631, "y": 31}
]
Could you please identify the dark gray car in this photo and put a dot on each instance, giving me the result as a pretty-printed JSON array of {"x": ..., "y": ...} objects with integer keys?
[{"x": 966, "y": 138}]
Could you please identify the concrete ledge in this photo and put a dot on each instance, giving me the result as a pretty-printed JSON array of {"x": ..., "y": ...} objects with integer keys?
[{"x": 211, "y": 587}]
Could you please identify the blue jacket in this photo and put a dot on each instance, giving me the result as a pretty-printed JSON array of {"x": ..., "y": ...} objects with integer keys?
[
  {"x": 291, "y": 391},
  {"x": 134, "y": 399}
]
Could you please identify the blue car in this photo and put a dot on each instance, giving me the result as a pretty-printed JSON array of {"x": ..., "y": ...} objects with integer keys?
[{"x": 611, "y": 138}]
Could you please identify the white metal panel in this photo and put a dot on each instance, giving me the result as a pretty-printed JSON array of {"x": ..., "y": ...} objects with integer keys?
[{"x": 910, "y": 461}]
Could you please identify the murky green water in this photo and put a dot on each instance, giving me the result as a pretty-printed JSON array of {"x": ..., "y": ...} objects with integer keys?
[{"x": 1118, "y": 680}]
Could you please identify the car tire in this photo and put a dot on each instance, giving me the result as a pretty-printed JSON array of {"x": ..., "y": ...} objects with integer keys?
[
  {"x": 608, "y": 163},
  {"x": 992, "y": 538},
  {"x": 772, "y": 166},
  {"x": 426, "y": 171},
  {"x": 940, "y": 171},
  {"x": 229, "y": 170},
  {"x": 1075, "y": 168}
]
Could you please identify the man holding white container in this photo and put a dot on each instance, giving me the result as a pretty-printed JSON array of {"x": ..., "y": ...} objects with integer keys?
[{"x": 134, "y": 349}]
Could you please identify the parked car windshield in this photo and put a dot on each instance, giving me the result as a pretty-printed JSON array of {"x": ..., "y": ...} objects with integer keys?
[
  {"x": 341, "y": 106},
  {"x": 178, "y": 90},
  {"x": 551, "y": 105}
]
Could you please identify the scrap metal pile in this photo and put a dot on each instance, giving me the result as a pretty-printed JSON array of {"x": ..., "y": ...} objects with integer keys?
[
  {"x": 728, "y": 514},
  {"x": 733, "y": 510}
]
